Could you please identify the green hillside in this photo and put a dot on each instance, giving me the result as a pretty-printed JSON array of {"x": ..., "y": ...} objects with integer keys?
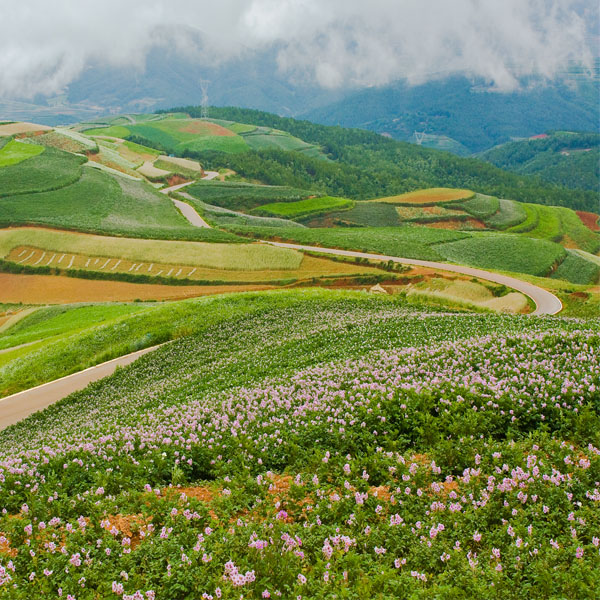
[
  {"x": 307, "y": 445},
  {"x": 177, "y": 133},
  {"x": 563, "y": 158},
  {"x": 365, "y": 165}
]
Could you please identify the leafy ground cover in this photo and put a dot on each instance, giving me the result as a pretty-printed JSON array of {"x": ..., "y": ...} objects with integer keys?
[
  {"x": 303, "y": 208},
  {"x": 406, "y": 241},
  {"x": 510, "y": 213},
  {"x": 518, "y": 254},
  {"x": 99, "y": 202},
  {"x": 318, "y": 445},
  {"x": 224, "y": 217},
  {"x": 480, "y": 206},
  {"x": 577, "y": 269}
]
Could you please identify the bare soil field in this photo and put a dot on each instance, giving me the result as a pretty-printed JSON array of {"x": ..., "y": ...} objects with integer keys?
[
  {"x": 457, "y": 224},
  {"x": 16, "y": 128},
  {"x": 47, "y": 289},
  {"x": 589, "y": 219}
]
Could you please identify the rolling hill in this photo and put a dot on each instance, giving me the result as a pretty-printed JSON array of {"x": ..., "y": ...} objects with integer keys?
[{"x": 565, "y": 158}]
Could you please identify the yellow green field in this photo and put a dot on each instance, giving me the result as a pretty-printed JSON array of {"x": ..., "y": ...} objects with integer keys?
[
  {"x": 428, "y": 196},
  {"x": 245, "y": 257}
]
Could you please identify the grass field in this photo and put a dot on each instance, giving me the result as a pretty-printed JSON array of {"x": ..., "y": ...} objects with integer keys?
[
  {"x": 180, "y": 133},
  {"x": 303, "y": 208},
  {"x": 50, "y": 170},
  {"x": 278, "y": 434},
  {"x": 469, "y": 293},
  {"x": 16, "y": 152},
  {"x": 428, "y": 197},
  {"x": 50, "y": 322},
  {"x": 576, "y": 233},
  {"x": 243, "y": 256}
]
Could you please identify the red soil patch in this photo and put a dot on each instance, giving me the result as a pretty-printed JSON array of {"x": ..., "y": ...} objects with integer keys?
[
  {"x": 5, "y": 548},
  {"x": 205, "y": 128},
  {"x": 50, "y": 289},
  {"x": 590, "y": 220},
  {"x": 457, "y": 224},
  {"x": 176, "y": 180},
  {"x": 579, "y": 295}
]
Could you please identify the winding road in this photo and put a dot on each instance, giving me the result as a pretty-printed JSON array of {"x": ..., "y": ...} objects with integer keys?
[
  {"x": 546, "y": 303},
  {"x": 19, "y": 406}
]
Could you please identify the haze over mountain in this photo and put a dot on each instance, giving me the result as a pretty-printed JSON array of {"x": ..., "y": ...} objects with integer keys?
[{"x": 333, "y": 62}]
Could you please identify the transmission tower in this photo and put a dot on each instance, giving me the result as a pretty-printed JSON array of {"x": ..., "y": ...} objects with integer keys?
[
  {"x": 419, "y": 136},
  {"x": 204, "y": 87}
]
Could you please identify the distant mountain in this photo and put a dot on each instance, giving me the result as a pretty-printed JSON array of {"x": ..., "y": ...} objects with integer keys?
[
  {"x": 170, "y": 80},
  {"x": 563, "y": 158},
  {"x": 460, "y": 115}
]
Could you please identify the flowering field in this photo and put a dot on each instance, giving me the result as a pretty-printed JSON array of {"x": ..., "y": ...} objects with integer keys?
[{"x": 338, "y": 447}]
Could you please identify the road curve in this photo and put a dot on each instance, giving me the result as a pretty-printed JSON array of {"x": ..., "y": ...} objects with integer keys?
[
  {"x": 19, "y": 406},
  {"x": 546, "y": 303},
  {"x": 190, "y": 213}
]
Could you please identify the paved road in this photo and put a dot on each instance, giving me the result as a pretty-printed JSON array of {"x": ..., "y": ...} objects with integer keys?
[
  {"x": 174, "y": 188},
  {"x": 546, "y": 302},
  {"x": 186, "y": 210},
  {"x": 190, "y": 213},
  {"x": 18, "y": 406}
]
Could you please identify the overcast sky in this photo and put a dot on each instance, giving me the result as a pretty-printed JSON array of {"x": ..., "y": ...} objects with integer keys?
[{"x": 46, "y": 44}]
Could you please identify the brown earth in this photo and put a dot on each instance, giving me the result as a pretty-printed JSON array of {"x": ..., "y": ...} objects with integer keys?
[
  {"x": 589, "y": 219},
  {"x": 16, "y": 128},
  {"x": 49, "y": 289},
  {"x": 176, "y": 180},
  {"x": 457, "y": 224}
]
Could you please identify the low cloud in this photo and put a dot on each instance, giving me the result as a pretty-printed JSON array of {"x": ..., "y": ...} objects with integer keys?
[{"x": 44, "y": 45}]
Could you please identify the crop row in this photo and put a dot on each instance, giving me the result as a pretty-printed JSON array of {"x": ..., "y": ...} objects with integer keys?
[{"x": 420, "y": 462}]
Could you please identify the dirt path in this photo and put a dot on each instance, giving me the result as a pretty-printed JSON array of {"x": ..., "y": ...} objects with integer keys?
[
  {"x": 16, "y": 318},
  {"x": 546, "y": 302},
  {"x": 19, "y": 406}
]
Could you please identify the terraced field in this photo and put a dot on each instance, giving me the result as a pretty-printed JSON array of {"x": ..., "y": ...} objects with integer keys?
[
  {"x": 428, "y": 197},
  {"x": 177, "y": 133},
  {"x": 303, "y": 208},
  {"x": 310, "y": 444}
]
